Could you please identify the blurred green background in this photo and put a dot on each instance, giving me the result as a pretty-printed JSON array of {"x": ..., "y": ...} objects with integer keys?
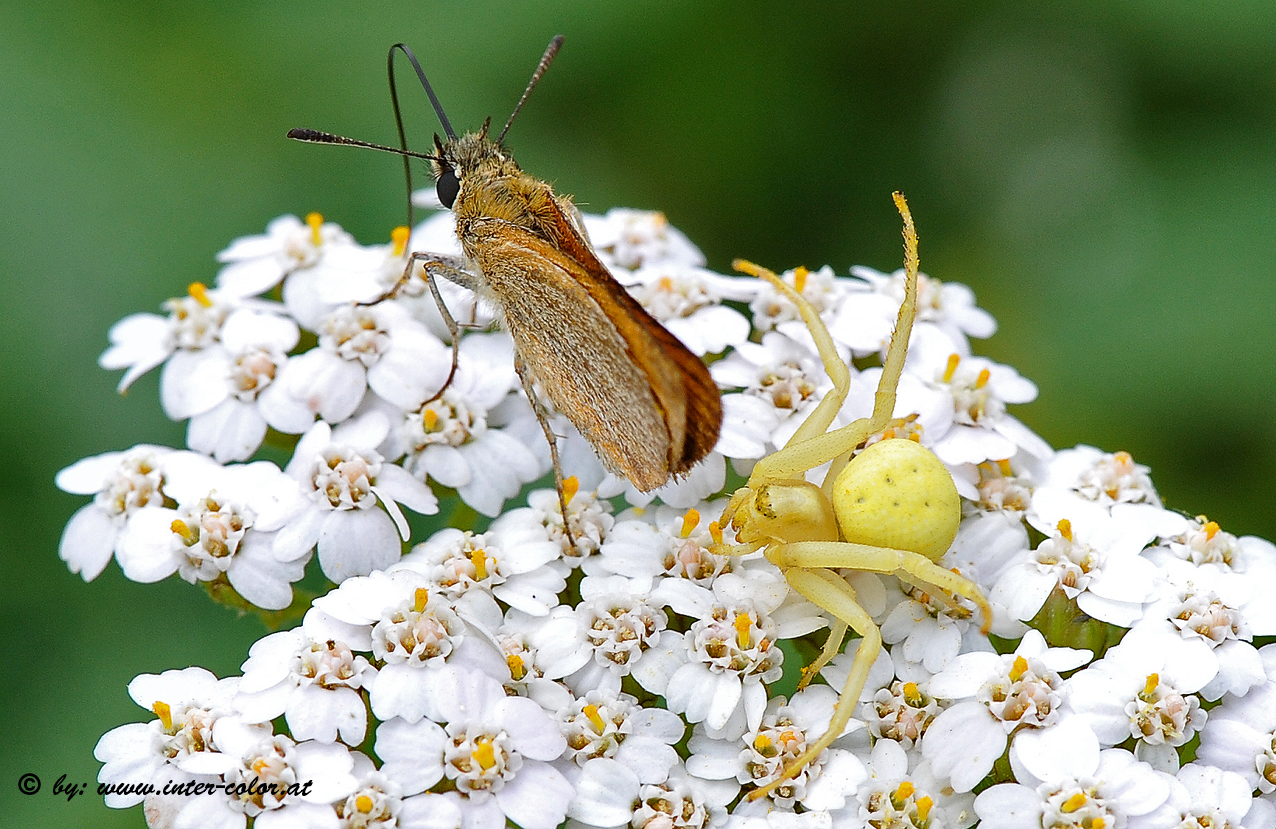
[{"x": 1103, "y": 175}]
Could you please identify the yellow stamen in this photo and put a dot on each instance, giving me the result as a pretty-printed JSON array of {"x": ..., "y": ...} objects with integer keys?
[
  {"x": 479, "y": 559},
  {"x": 901, "y": 794},
  {"x": 199, "y": 292},
  {"x": 363, "y": 804},
  {"x": 571, "y": 485},
  {"x": 315, "y": 220},
  {"x": 165, "y": 714},
  {"x": 1004, "y": 466},
  {"x": 742, "y": 625},
  {"x": 1123, "y": 458},
  {"x": 1018, "y": 669},
  {"x": 430, "y": 418},
  {"x": 762, "y": 744},
  {"x": 399, "y": 236},
  {"x": 484, "y": 754},
  {"x": 515, "y": 663},
  {"x": 924, "y": 805},
  {"x": 799, "y": 278},
  {"x": 1065, "y": 528},
  {"x": 184, "y": 532},
  {"x": 261, "y": 766},
  {"x": 953, "y": 360},
  {"x": 1149, "y": 687},
  {"x": 664, "y": 283},
  {"x": 982, "y": 379},
  {"x": 915, "y": 437},
  {"x": 420, "y": 599},
  {"x": 1073, "y": 803},
  {"x": 912, "y": 694},
  {"x": 715, "y": 532},
  {"x": 591, "y": 711},
  {"x": 1211, "y": 529},
  {"x": 689, "y": 522},
  {"x": 1098, "y": 823}
]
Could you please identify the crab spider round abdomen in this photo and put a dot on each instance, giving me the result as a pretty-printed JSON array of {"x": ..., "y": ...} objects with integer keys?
[{"x": 897, "y": 494}]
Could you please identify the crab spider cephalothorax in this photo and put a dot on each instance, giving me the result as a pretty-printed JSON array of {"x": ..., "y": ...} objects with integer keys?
[{"x": 892, "y": 509}]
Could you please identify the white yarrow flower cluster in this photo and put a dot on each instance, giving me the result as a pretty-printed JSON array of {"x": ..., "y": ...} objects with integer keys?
[{"x": 621, "y": 666}]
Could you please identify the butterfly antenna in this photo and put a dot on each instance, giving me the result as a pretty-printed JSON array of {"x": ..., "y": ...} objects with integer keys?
[
  {"x": 320, "y": 137},
  {"x": 546, "y": 59},
  {"x": 398, "y": 114}
]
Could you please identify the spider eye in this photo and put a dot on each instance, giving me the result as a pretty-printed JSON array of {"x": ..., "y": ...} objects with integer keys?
[{"x": 447, "y": 187}]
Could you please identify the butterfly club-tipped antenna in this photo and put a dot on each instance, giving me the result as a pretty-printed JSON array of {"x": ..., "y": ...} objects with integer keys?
[{"x": 320, "y": 137}]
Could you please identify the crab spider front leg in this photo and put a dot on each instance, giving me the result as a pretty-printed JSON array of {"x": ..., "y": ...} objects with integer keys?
[{"x": 812, "y": 444}]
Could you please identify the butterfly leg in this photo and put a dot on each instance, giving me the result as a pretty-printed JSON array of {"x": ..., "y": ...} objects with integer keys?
[
  {"x": 451, "y": 268},
  {"x": 550, "y": 438}
]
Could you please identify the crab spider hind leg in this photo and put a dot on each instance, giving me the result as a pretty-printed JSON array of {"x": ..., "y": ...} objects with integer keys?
[{"x": 831, "y": 593}]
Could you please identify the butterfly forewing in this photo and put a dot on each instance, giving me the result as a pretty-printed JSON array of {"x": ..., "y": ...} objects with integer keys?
[{"x": 641, "y": 398}]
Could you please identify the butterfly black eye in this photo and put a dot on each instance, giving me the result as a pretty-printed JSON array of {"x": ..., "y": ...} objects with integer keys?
[{"x": 447, "y": 187}]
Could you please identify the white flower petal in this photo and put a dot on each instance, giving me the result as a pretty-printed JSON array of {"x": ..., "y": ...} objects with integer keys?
[
  {"x": 1009, "y": 806},
  {"x": 841, "y": 773},
  {"x": 412, "y": 753},
  {"x": 660, "y": 663},
  {"x": 300, "y": 535},
  {"x": 146, "y": 546},
  {"x": 414, "y": 368},
  {"x": 193, "y": 382},
  {"x": 1067, "y": 749},
  {"x": 723, "y": 697},
  {"x": 356, "y": 542},
  {"x": 499, "y": 466},
  {"x": 605, "y": 793},
  {"x": 317, "y": 713},
  {"x": 965, "y": 675},
  {"x": 401, "y": 486},
  {"x": 446, "y": 465},
  {"x": 962, "y": 743},
  {"x": 88, "y": 541},
  {"x": 431, "y": 811},
  {"x": 260, "y": 577},
  {"x": 534, "y": 733},
  {"x": 537, "y": 797},
  {"x": 231, "y": 431}
]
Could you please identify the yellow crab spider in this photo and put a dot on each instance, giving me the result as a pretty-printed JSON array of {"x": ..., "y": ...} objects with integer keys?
[{"x": 892, "y": 509}]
